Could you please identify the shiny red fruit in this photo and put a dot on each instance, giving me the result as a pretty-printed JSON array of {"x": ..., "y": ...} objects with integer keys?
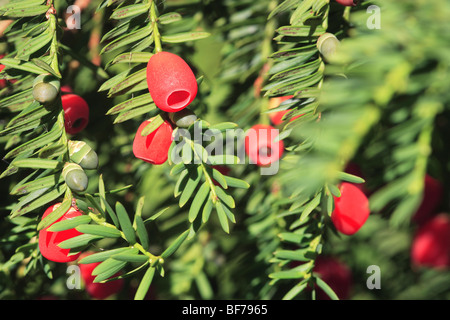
[
  {"x": 351, "y": 209},
  {"x": 431, "y": 243},
  {"x": 277, "y": 117},
  {"x": 432, "y": 197},
  {"x": 2, "y": 81},
  {"x": 48, "y": 240},
  {"x": 336, "y": 274},
  {"x": 98, "y": 290},
  {"x": 348, "y": 3},
  {"x": 260, "y": 145},
  {"x": 76, "y": 113},
  {"x": 171, "y": 82},
  {"x": 153, "y": 148}
]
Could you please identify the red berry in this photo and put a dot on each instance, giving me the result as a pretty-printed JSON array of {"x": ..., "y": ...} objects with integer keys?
[
  {"x": 354, "y": 169},
  {"x": 98, "y": 290},
  {"x": 431, "y": 243},
  {"x": 66, "y": 89},
  {"x": 348, "y": 3},
  {"x": 76, "y": 113},
  {"x": 351, "y": 209},
  {"x": 334, "y": 273},
  {"x": 171, "y": 82},
  {"x": 277, "y": 117},
  {"x": 259, "y": 81},
  {"x": 153, "y": 148},
  {"x": 260, "y": 145},
  {"x": 432, "y": 196},
  {"x": 2, "y": 81},
  {"x": 48, "y": 240},
  {"x": 257, "y": 85},
  {"x": 223, "y": 170}
]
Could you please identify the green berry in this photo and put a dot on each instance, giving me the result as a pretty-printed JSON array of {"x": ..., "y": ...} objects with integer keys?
[
  {"x": 82, "y": 154},
  {"x": 75, "y": 177},
  {"x": 183, "y": 118},
  {"x": 328, "y": 45},
  {"x": 46, "y": 88}
]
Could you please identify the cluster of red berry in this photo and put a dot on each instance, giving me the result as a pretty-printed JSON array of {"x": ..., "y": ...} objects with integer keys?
[
  {"x": 46, "y": 89},
  {"x": 173, "y": 86},
  {"x": 431, "y": 242},
  {"x": 430, "y": 247},
  {"x": 264, "y": 149},
  {"x": 49, "y": 247}
]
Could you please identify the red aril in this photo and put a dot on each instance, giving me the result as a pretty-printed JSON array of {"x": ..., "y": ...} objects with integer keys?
[
  {"x": 66, "y": 89},
  {"x": 354, "y": 169},
  {"x": 153, "y": 148},
  {"x": 351, "y": 209},
  {"x": 48, "y": 240},
  {"x": 260, "y": 145},
  {"x": 98, "y": 290},
  {"x": 2, "y": 81},
  {"x": 334, "y": 273},
  {"x": 431, "y": 243},
  {"x": 432, "y": 196},
  {"x": 76, "y": 113},
  {"x": 223, "y": 170},
  {"x": 348, "y": 3},
  {"x": 277, "y": 117},
  {"x": 171, "y": 82}
]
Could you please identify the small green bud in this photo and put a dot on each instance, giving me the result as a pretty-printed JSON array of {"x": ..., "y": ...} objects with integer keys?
[
  {"x": 328, "y": 45},
  {"x": 81, "y": 153},
  {"x": 183, "y": 118},
  {"x": 46, "y": 88},
  {"x": 75, "y": 177}
]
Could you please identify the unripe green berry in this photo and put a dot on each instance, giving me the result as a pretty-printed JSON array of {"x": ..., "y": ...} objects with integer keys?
[
  {"x": 82, "y": 154},
  {"x": 327, "y": 45},
  {"x": 75, "y": 177},
  {"x": 183, "y": 118},
  {"x": 89, "y": 161},
  {"x": 46, "y": 88}
]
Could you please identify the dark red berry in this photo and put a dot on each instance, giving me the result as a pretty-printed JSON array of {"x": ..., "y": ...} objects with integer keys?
[
  {"x": 224, "y": 170},
  {"x": 336, "y": 274},
  {"x": 431, "y": 243},
  {"x": 76, "y": 113},
  {"x": 432, "y": 197}
]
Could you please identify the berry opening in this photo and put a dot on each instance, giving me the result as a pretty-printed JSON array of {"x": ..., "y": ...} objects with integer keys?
[
  {"x": 266, "y": 155},
  {"x": 178, "y": 99},
  {"x": 78, "y": 123},
  {"x": 265, "y": 152}
]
